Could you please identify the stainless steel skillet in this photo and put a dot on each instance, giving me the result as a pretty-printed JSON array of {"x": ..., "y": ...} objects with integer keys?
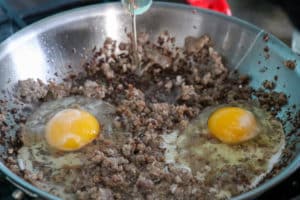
[{"x": 52, "y": 44}]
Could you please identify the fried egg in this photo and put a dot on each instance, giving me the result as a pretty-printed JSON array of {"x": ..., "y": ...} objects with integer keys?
[
  {"x": 71, "y": 129},
  {"x": 55, "y": 135},
  {"x": 230, "y": 148},
  {"x": 233, "y": 125}
]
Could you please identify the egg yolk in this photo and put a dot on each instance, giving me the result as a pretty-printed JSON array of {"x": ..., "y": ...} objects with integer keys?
[
  {"x": 71, "y": 129},
  {"x": 233, "y": 125}
]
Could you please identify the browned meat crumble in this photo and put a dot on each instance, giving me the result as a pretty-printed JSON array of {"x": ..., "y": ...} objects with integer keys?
[
  {"x": 291, "y": 64},
  {"x": 175, "y": 86}
]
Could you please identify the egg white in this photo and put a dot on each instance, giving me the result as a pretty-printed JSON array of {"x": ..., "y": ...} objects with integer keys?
[
  {"x": 37, "y": 156},
  {"x": 197, "y": 141}
]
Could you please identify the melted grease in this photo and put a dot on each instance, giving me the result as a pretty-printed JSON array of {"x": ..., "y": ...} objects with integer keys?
[{"x": 40, "y": 158}]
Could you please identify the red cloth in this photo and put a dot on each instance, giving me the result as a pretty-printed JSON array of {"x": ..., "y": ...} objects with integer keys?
[{"x": 216, "y": 5}]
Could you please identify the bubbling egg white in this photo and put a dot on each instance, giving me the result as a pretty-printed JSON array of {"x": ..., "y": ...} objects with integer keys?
[{"x": 218, "y": 163}]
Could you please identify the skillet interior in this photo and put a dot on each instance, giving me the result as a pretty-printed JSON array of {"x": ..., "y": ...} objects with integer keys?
[{"x": 50, "y": 45}]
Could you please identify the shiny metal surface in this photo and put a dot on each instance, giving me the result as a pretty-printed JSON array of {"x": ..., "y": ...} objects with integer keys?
[{"x": 54, "y": 43}]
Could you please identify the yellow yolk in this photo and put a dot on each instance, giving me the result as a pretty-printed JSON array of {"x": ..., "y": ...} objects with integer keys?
[
  {"x": 233, "y": 125},
  {"x": 71, "y": 129}
]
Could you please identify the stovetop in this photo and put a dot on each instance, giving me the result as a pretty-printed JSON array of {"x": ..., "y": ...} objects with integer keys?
[{"x": 16, "y": 14}]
